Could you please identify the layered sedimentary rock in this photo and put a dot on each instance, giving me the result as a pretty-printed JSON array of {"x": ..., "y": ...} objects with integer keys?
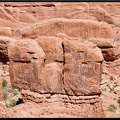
[
  {"x": 35, "y": 66},
  {"x": 57, "y": 53},
  {"x": 71, "y": 27},
  {"x": 76, "y": 106}
]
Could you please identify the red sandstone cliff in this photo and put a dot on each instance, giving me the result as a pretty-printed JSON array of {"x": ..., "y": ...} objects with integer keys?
[{"x": 58, "y": 54}]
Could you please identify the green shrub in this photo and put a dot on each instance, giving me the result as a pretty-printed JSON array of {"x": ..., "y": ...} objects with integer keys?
[
  {"x": 5, "y": 96},
  {"x": 112, "y": 88},
  {"x": 117, "y": 25},
  {"x": 13, "y": 91},
  {"x": 4, "y": 83},
  {"x": 12, "y": 104},
  {"x": 112, "y": 108}
]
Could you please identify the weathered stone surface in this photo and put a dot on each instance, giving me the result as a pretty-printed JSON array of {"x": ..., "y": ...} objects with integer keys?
[
  {"x": 52, "y": 46},
  {"x": 76, "y": 106},
  {"x": 25, "y": 51},
  {"x": 4, "y": 41},
  {"x": 27, "y": 17},
  {"x": 58, "y": 52},
  {"x": 81, "y": 72},
  {"x": 6, "y": 16},
  {"x": 71, "y": 27},
  {"x": 45, "y": 10},
  {"x": 20, "y": 15},
  {"x": 26, "y": 62},
  {"x": 27, "y": 56},
  {"x": 51, "y": 78},
  {"x": 102, "y": 42},
  {"x": 90, "y": 50},
  {"x": 6, "y": 31},
  {"x": 25, "y": 75},
  {"x": 101, "y": 15},
  {"x": 111, "y": 54},
  {"x": 8, "y": 23}
]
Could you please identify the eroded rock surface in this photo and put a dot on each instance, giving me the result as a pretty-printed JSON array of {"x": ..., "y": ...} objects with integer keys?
[{"x": 58, "y": 53}]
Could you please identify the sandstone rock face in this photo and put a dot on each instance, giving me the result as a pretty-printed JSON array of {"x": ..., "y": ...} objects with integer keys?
[
  {"x": 6, "y": 31},
  {"x": 79, "y": 10},
  {"x": 102, "y": 42},
  {"x": 69, "y": 27},
  {"x": 75, "y": 106},
  {"x": 72, "y": 67},
  {"x": 57, "y": 51},
  {"x": 4, "y": 41},
  {"x": 26, "y": 62},
  {"x": 52, "y": 46},
  {"x": 101, "y": 15},
  {"x": 23, "y": 56},
  {"x": 51, "y": 79},
  {"x": 111, "y": 8},
  {"x": 6, "y": 16},
  {"x": 81, "y": 70}
]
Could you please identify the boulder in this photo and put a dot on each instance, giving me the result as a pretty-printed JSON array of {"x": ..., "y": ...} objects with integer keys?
[
  {"x": 113, "y": 53},
  {"x": 82, "y": 69},
  {"x": 102, "y": 42},
  {"x": 4, "y": 41},
  {"x": 71, "y": 27},
  {"x": 25, "y": 51},
  {"x": 26, "y": 62},
  {"x": 52, "y": 46}
]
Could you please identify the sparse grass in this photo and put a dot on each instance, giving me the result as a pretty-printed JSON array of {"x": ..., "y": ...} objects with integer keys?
[
  {"x": 4, "y": 82},
  {"x": 116, "y": 83},
  {"x": 11, "y": 104},
  {"x": 118, "y": 101},
  {"x": 14, "y": 111},
  {"x": 111, "y": 78},
  {"x": 15, "y": 92},
  {"x": 4, "y": 68},
  {"x": 5, "y": 95},
  {"x": 112, "y": 108},
  {"x": 2, "y": 75},
  {"x": 8, "y": 91},
  {"x": 104, "y": 95},
  {"x": 112, "y": 88},
  {"x": 117, "y": 25},
  {"x": 8, "y": 94},
  {"x": 104, "y": 89}
]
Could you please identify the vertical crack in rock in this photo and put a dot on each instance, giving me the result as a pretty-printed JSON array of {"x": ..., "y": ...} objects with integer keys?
[{"x": 63, "y": 65}]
